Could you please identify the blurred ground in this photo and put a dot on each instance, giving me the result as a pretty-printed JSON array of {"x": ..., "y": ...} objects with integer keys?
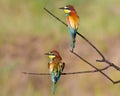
[{"x": 27, "y": 32}]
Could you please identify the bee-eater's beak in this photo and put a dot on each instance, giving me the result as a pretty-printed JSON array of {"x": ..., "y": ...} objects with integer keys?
[
  {"x": 62, "y": 8},
  {"x": 47, "y": 54}
]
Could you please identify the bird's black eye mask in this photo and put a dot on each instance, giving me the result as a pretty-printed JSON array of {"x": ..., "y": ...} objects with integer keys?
[
  {"x": 67, "y": 8},
  {"x": 51, "y": 53}
]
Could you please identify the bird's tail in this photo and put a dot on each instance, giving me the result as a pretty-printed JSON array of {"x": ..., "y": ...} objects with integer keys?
[
  {"x": 73, "y": 40},
  {"x": 53, "y": 88},
  {"x": 73, "y": 43}
]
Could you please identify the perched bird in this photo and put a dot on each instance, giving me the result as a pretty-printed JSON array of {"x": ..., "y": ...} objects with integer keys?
[
  {"x": 55, "y": 66},
  {"x": 72, "y": 20}
]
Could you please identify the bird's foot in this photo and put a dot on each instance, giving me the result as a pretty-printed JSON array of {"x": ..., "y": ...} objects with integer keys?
[{"x": 71, "y": 50}]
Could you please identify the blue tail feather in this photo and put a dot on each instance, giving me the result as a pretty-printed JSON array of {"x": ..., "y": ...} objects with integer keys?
[
  {"x": 53, "y": 88},
  {"x": 54, "y": 80},
  {"x": 73, "y": 36}
]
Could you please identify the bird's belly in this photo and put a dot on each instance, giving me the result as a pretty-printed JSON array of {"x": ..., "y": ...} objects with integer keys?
[
  {"x": 52, "y": 67},
  {"x": 73, "y": 22}
]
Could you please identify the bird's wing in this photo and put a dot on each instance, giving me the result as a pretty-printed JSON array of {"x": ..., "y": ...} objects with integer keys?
[{"x": 62, "y": 66}]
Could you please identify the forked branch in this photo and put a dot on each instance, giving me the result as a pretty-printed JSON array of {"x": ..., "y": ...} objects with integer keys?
[
  {"x": 101, "y": 71},
  {"x": 96, "y": 49},
  {"x": 93, "y": 46}
]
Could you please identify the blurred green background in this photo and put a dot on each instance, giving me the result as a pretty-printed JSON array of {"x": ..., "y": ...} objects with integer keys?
[{"x": 27, "y": 32}]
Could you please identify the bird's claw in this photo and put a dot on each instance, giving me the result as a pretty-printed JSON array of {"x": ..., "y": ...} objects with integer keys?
[{"x": 71, "y": 50}]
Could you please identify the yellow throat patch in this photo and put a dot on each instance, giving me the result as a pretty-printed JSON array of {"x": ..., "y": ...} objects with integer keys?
[
  {"x": 67, "y": 11},
  {"x": 51, "y": 56}
]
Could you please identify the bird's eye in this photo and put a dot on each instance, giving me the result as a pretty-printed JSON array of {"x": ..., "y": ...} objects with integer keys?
[{"x": 67, "y": 8}]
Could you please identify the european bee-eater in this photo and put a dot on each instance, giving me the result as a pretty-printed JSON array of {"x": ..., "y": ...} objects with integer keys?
[
  {"x": 55, "y": 66},
  {"x": 72, "y": 20}
]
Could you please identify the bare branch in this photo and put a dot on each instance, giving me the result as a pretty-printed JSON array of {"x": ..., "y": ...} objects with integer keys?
[
  {"x": 56, "y": 17},
  {"x": 69, "y": 73},
  {"x": 80, "y": 72},
  {"x": 103, "y": 57},
  {"x": 35, "y": 73},
  {"x": 93, "y": 66},
  {"x": 111, "y": 64}
]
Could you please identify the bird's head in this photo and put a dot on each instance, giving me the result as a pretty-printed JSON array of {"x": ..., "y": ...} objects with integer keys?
[
  {"x": 68, "y": 9},
  {"x": 53, "y": 54}
]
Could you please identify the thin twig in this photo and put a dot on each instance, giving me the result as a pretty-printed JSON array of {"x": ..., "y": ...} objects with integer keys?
[
  {"x": 55, "y": 17},
  {"x": 35, "y": 73},
  {"x": 69, "y": 73},
  {"x": 103, "y": 58},
  {"x": 112, "y": 64}
]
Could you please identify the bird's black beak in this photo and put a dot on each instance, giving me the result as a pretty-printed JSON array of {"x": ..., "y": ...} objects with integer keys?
[
  {"x": 47, "y": 54},
  {"x": 62, "y": 8}
]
